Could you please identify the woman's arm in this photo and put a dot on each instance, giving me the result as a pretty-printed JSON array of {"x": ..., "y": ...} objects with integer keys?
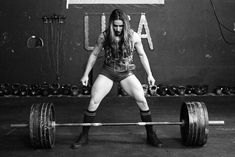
[
  {"x": 143, "y": 58},
  {"x": 92, "y": 59}
]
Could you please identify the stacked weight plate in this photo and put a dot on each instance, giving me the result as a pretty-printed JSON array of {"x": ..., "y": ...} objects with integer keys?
[
  {"x": 42, "y": 132},
  {"x": 195, "y": 130}
]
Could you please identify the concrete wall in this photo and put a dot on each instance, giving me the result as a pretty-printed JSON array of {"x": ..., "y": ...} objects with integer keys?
[{"x": 187, "y": 44}]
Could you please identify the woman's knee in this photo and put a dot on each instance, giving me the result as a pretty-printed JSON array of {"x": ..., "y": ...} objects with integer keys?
[
  {"x": 142, "y": 103},
  {"x": 94, "y": 104}
]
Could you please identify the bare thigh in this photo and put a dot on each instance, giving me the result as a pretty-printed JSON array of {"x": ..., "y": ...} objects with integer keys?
[
  {"x": 100, "y": 89},
  {"x": 134, "y": 88}
]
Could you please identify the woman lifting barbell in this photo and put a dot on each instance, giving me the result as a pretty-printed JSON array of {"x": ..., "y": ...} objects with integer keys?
[{"x": 119, "y": 43}]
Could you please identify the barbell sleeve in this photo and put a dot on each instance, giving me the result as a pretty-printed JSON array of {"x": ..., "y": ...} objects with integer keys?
[
  {"x": 216, "y": 122},
  {"x": 19, "y": 125}
]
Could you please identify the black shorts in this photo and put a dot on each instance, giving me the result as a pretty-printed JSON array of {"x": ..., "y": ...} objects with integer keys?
[{"x": 114, "y": 75}]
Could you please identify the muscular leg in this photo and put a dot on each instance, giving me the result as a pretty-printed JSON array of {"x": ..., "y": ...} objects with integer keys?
[
  {"x": 99, "y": 90},
  {"x": 133, "y": 87}
]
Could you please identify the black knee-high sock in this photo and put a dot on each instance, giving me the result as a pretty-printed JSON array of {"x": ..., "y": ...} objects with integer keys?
[
  {"x": 89, "y": 117},
  {"x": 146, "y": 117},
  {"x": 151, "y": 135}
]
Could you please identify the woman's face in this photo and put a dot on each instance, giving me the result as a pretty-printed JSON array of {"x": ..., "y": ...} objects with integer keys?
[{"x": 118, "y": 27}]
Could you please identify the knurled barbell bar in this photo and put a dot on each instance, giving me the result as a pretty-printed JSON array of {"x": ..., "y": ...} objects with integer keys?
[{"x": 193, "y": 123}]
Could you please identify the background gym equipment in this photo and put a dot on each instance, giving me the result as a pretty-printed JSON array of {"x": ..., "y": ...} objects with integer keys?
[
  {"x": 75, "y": 90},
  {"x": 193, "y": 123},
  {"x": 172, "y": 90},
  {"x": 153, "y": 90},
  {"x": 57, "y": 89},
  {"x": 53, "y": 34},
  {"x": 162, "y": 91},
  {"x": 181, "y": 90},
  {"x": 146, "y": 89},
  {"x": 35, "y": 42}
]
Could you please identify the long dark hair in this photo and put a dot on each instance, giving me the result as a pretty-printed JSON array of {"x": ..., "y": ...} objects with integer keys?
[{"x": 124, "y": 44}]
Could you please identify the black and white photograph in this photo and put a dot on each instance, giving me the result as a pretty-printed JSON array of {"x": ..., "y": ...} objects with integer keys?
[{"x": 126, "y": 78}]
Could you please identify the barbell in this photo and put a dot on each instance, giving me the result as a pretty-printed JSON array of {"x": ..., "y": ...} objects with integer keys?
[{"x": 193, "y": 124}]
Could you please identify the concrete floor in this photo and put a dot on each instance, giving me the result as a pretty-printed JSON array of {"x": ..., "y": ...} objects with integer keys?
[{"x": 117, "y": 141}]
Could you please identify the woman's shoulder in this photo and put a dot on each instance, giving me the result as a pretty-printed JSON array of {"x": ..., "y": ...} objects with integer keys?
[
  {"x": 135, "y": 36},
  {"x": 101, "y": 36},
  {"x": 100, "y": 39}
]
